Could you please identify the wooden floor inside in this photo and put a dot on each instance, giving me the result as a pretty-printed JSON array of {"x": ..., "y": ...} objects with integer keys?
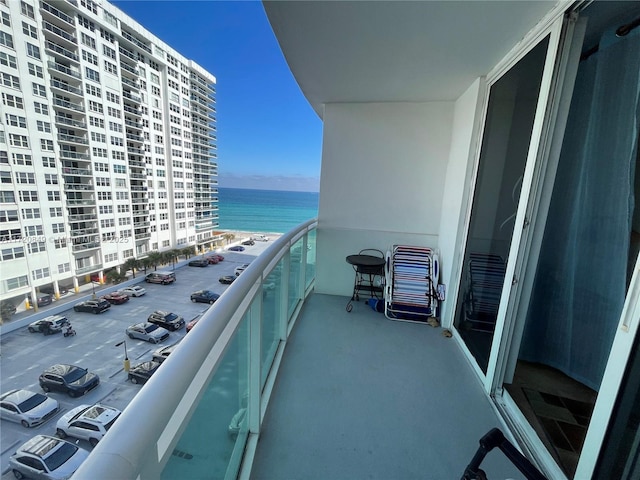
[{"x": 558, "y": 407}]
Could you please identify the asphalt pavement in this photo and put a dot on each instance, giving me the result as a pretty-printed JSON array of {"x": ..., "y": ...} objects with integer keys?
[{"x": 24, "y": 355}]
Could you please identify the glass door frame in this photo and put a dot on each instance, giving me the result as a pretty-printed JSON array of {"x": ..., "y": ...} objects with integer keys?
[
  {"x": 550, "y": 27},
  {"x": 558, "y": 78}
]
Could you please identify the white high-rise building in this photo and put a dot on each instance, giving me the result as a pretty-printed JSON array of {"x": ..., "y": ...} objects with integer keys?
[{"x": 107, "y": 144}]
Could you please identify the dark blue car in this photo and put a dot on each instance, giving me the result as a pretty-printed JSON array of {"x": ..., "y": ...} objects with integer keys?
[{"x": 204, "y": 296}]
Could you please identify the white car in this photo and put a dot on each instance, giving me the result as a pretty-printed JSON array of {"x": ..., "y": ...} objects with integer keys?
[
  {"x": 134, "y": 291},
  {"x": 87, "y": 422},
  {"x": 262, "y": 238},
  {"x": 45, "y": 457},
  {"x": 240, "y": 269},
  {"x": 28, "y": 408},
  {"x": 147, "y": 331}
]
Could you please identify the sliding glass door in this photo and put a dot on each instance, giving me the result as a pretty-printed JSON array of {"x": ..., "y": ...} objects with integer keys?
[{"x": 511, "y": 110}]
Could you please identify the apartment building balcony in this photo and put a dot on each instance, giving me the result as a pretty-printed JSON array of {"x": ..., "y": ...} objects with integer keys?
[
  {"x": 136, "y": 200},
  {"x": 138, "y": 188},
  {"x": 136, "y": 163},
  {"x": 57, "y": 50},
  {"x": 58, "y": 67},
  {"x": 75, "y": 155},
  {"x": 81, "y": 201},
  {"x": 63, "y": 120},
  {"x": 131, "y": 98},
  {"x": 132, "y": 71},
  {"x": 78, "y": 187},
  {"x": 125, "y": 53},
  {"x": 132, "y": 111},
  {"x": 66, "y": 88},
  {"x": 136, "y": 42},
  {"x": 55, "y": 15},
  {"x": 139, "y": 213},
  {"x": 83, "y": 244},
  {"x": 89, "y": 269},
  {"x": 67, "y": 104},
  {"x": 133, "y": 124},
  {"x": 134, "y": 150},
  {"x": 81, "y": 232},
  {"x": 134, "y": 137},
  {"x": 74, "y": 171},
  {"x": 82, "y": 217},
  {"x": 130, "y": 83},
  {"x": 60, "y": 35},
  {"x": 142, "y": 235},
  {"x": 141, "y": 224},
  {"x": 355, "y": 395},
  {"x": 72, "y": 139}
]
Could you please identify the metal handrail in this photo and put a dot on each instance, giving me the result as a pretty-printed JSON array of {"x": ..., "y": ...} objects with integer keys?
[{"x": 142, "y": 438}]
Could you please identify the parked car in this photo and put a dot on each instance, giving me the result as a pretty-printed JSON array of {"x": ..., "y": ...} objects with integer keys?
[
  {"x": 115, "y": 298},
  {"x": 134, "y": 291},
  {"x": 227, "y": 279},
  {"x": 251, "y": 241},
  {"x": 161, "y": 354},
  {"x": 48, "y": 325},
  {"x": 92, "y": 306},
  {"x": 44, "y": 299},
  {"x": 236, "y": 248},
  {"x": 213, "y": 260},
  {"x": 204, "y": 296},
  {"x": 192, "y": 323},
  {"x": 142, "y": 372},
  {"x": 149, "y": 332},
  {"x": 87, "y": 422},
  {"x": 238, "y": 270},
  {"x": 163, "y": 278},
  {"x": 69, "y": 379},
  {"x": 51, "y": 291},
  {"x": 95, "y": 277},
  {"x": 218, "y": 256},
  {"x": 27, "y": 408},
  {"x": 199, "y": 262},
  {"x": 262, "y": 238},
  {"x": 45, "y": 457},
  {"x": 168, "y": 320}
]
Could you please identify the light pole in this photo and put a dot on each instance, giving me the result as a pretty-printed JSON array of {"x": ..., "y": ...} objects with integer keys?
[
  {"x": 93, "y": 289},
  {"x": 127, "y": 364}
]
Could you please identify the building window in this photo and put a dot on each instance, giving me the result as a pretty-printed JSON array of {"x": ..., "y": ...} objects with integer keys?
[
  {"x": 33, "y": 51},
  {"x": 6, "y": 39},
  {"x": 12, "y": 101},
  {"x": 21, "y": 159},
  {"x": 50, "y": 179},
  {"x": 30, "y": 213},
  {"x": 41, "y": 108},
  {"x": 35, "y": 70},
  {"x": 55, "y": 211},
  {"x": 39, "y": 90},
  {"x": 10, "y": 80},
  {"x": 17, "y": 282},
  {"x": 92, "y": 74},
  {"x": 46, "y": 145},
  {"x": 43, "y": 126},
  {"x": 18, "y": 140},
  {"x": 53, "y": 195},
  {"x": 49, "y": 162},
  {"x": 40, "y": 272},
  {"x": 24, "y": 177},
  {"x": 16, "y": 121},
  {"x": 88, "y": 40},
  {"x": 8, "y": 60},
  {"x": 12, "y": 253},
  {"x": 29, "y": 30},
  {"x": 27, "y": 10}
]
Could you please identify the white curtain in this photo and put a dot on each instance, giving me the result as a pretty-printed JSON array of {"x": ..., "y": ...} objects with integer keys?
[{"x": 580, "y": 283}]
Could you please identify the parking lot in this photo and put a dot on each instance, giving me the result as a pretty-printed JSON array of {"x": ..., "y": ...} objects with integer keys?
[{"x": 25, "y": 355}]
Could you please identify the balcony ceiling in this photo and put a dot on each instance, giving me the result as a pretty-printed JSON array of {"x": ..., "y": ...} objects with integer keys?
[{"x": 396, "y": 51}]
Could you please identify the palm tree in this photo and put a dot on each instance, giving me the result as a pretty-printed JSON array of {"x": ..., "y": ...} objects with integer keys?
[
  {"x": 145, "y": 263},
  {"x": 132, "y": 264},
  {"x": 228, "y": 237},
  {"x": 155, "y": 259},
  {"x": 173, "y": 255},
  {"x": 188, "y": 251}
]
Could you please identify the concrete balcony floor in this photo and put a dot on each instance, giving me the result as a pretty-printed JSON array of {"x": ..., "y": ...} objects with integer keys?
[{"x": 359, "y": 396}]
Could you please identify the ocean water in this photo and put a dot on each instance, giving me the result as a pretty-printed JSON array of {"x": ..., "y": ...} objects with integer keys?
[{"x": 267, "y": 211}]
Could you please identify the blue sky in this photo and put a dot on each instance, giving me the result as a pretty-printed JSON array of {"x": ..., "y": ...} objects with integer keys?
[{"x": 268, "y": 135}]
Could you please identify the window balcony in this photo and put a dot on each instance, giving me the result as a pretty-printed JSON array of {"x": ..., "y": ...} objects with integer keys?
[
  {"x": 57, "y": 49},
  {"x": 56, "y": 14},
  {"x": 74, "y": 74},
  {"x": 61, "y": 35}
]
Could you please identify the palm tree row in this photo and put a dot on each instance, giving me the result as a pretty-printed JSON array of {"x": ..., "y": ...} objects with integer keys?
[{"x": 154, "y": 259}]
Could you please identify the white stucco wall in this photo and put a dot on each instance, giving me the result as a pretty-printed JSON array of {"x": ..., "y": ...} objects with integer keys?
[
  {"x": 382, "y": 182},
  {"x": 458, "y": 189}
]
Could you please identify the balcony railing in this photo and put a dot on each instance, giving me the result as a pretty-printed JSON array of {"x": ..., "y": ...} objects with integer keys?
[
  {"x": 54, "y": 47},
  {"x": 58, "y": 31},
  {"x": 88, "y": 269},
  {"x": 61, "y": 15},
  {"x": 63, "y": 69},
  {"x": 69, "y": 121},
  {"x": 245, "y": 330}
]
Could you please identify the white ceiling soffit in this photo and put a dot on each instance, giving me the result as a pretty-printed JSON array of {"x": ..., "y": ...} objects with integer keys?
[{"x": 396, "y": 51}]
